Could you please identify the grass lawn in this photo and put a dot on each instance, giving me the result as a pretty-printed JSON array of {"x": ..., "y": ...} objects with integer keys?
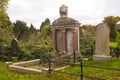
[{"x": 94, "y": 72}]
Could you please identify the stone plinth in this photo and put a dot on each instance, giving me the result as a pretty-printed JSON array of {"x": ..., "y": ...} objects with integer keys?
[
  {"x": 101, "y": 58},
  {"x": 102, "y": 51}
]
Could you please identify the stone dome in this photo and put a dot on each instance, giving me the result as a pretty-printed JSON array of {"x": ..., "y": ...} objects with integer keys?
[{"x": 65, "y": 21}]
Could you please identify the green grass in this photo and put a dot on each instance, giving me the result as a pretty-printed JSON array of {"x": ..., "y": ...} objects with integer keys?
[
  {"x": 113, "y": 44},
  {"x": 94, "y": 72},
  {"x": 97, "y": 72}
]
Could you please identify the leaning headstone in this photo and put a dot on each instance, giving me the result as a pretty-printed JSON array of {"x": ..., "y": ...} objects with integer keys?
[
  {"x": 102, "y": 51},
  {"x": 14, "y": 49}
]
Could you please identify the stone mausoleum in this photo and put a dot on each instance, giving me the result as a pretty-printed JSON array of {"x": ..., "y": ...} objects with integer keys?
[{"x": 65, "y": 33}]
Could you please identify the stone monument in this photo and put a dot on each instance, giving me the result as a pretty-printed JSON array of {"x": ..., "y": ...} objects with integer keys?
[
  {"x": 14, "y": 49},
  {"x": 65, "y": 33},
  {"x": 102, "y": 51}
]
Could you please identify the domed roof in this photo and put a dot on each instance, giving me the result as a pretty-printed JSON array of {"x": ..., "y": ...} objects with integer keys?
[{"x": 64, "y": 21}]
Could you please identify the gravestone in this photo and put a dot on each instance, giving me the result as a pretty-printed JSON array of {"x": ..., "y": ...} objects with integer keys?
[
  {"x": 14, "y": 48},
  {"x": 102, "y": 51}
]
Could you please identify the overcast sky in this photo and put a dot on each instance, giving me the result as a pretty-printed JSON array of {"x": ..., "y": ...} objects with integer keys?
[{"x": 85, "y": 11}]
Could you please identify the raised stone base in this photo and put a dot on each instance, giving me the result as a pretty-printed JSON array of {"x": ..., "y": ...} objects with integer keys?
[{"x": 101, "y": 58}]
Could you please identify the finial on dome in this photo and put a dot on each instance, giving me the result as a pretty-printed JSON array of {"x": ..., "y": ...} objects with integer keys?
[{"x": 63, "y": 11}]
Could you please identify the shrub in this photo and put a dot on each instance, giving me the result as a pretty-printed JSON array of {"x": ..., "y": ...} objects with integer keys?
[
  {"x": 5, "y": 53},
  {"x": 87, "y": 49},
  {"x": 42, "y": 52}
]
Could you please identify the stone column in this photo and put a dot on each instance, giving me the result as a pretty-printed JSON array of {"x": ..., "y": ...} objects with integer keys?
[
  {"x": 63, "y": 41},
  {"x": 102, "y": 52},
  {"x": 75, "y": 40},
  {"x": 54, "y": 40}
]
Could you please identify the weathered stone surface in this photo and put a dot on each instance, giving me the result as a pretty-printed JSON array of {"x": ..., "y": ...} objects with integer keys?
[
  {"x": 102, "y": 42},
  {"x": 7, "y": 64},
  {"x": 24, "y": 70},
  {"x": 21, "y": 67},
  {"x": 65, "y": 21},
  {"x": 69, "y": 41},
  {"x": 59, "y": 40},
  {"x": 14, "y": 47},
  {"x": 66, "y": 33},
  {"x": 28, "y": 63},
  {"x": 101, "y": 58},
  {"x": 63, "y": 11}
]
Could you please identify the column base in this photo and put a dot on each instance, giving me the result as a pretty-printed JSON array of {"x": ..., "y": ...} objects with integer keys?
[{"x": 101, "y": 58}]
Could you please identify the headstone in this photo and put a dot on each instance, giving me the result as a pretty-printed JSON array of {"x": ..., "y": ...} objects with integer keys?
[
  {"x": 14, "y": 47},
  {"x": 102, "y": 51}
]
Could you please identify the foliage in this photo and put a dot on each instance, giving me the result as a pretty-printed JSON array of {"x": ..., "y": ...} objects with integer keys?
[
  {"x": 113, "y": 44},
  {"x": 87, "y": 49},
  {"x": 4, "y": 19},
  {"x": 87, "y": 40},
  {"x": 45, "y": 23},
  {"x": 21, "y": 30},
  {"x": 3, "y": 5},
  {"x": 87, "y": 33},
  {"x": 42, "y": 53},
  {"x": 35, "y": 47},
  {"x": 118, "y": 38},
  {"x": 45, "y": 28},
  {"x": 5, "y": 36},
  {"x": 32, "y": 29},
  {"x": 5, "y": 54},
  {"x": 111, "y": 21}
]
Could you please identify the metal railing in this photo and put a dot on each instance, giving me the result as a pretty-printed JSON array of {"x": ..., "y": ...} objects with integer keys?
[{"x": 81, "y": 65}]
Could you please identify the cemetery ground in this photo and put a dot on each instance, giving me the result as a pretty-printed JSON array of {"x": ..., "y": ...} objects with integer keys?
[{"x": 5, "y": 74}]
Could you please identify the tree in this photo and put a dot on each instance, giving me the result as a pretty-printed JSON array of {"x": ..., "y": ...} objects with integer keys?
[
  {"x": 32, "y": 29},
  {"x": 111, "y": 21},
  {"x": 45, "y": 27},
  {"x": 47, "y": 21},
  {"x": 4, "y": 18},
  {"x": 87, "y": 33},
  {"x": 20, "y": 29}
]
